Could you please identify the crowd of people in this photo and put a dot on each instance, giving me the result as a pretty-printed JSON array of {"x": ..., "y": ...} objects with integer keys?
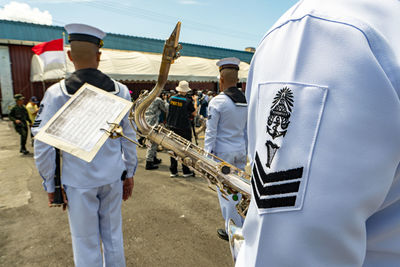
[
  {"x": 180, "y": 110},
  {"x": 324, "y": 163},
  {"x": 109, "y": 179}
]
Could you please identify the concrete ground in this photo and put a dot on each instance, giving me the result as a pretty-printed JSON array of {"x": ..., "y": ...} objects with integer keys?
[{"x": 168, "y": 222}]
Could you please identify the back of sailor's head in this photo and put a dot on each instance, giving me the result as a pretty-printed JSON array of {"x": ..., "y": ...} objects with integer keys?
[
  {"x": 85, "y": 42},
  {"x": 228, "y": 69}
]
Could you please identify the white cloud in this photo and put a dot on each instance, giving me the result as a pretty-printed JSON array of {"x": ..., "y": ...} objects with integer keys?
[
  {"x": 23, "y": 12},
  {"x": 189, "y": 2}
]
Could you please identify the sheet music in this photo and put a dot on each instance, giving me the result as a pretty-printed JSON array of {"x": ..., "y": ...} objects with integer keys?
[
  {"x": 77, "y": 127},
  {"x": 80, "y": 124}
]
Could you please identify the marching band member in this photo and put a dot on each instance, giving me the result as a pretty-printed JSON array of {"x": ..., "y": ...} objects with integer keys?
[
  {"x": 324, "y": 126},
  {"x": 227, "y": 117},
  {"x": 94, "y": 190},
  {"x": 226, "y": 135}
]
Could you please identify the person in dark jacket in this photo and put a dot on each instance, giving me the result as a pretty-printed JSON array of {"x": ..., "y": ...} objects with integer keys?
[
  {"x": 178, "y": 120},
  {"x": 19, "y": 116}
]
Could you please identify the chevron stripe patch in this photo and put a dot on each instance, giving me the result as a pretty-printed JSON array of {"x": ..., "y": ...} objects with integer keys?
[
  {"x": 275, "y": 190},
  {"x": 36, "y": 123}
]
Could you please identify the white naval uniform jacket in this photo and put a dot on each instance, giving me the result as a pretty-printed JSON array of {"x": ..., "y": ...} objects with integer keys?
[
  {"x": 324, "y": 138},
  {"x": 115, "y": 156},
  {"x": 226, "y": 126}
]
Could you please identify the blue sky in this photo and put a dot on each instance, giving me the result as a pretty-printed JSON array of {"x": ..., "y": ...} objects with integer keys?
[{"x": 221, "y": 23}]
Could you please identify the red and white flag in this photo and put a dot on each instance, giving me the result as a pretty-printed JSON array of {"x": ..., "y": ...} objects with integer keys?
[{"x": 51, "y": 53}]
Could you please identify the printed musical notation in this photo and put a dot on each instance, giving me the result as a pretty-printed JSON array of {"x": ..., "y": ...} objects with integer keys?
[
  {"x": 78, "y": 127},
  {"x": 81, "y": 123}
]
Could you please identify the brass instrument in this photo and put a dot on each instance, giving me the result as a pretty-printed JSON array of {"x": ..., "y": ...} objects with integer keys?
[{"x": 228, "y": 178}]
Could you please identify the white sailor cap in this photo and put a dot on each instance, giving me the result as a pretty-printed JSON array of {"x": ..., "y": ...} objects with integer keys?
[
  {"x": 228, "y": 63},
  {"x": 85, "y": 33}
]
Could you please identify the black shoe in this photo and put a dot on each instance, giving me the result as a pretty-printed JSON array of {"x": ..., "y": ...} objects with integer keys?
[
  {"x": 222, "y": 234},
  {"x": 157, "y": 161},
  {"x": 150, "y": 165},
  {"x": 24, "y": 151}
]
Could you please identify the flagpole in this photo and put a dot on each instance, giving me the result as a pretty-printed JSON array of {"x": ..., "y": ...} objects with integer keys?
[{"x": 65, "y": 69}]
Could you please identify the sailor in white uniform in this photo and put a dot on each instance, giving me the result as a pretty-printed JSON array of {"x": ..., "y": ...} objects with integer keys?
[
  {"x": 227, "y": 117},
  {"x": 226, "y": 135},
  {"x": 94, "y": 190},
  {"x": 324, "y": 127}
]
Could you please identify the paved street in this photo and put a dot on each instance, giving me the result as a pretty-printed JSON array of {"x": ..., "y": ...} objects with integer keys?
[{"x": 169, "y": 221}]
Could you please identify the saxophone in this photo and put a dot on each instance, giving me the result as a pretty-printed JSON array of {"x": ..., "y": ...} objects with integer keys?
[{"x": 228, "y": 179}]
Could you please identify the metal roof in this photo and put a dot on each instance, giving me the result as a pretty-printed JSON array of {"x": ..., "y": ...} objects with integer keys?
[{"x": 41, "y": 33}]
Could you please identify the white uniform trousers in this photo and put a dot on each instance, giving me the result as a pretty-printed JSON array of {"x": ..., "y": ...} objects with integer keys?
[
  {"x": 94, "y": 215},
  {"x": 237, "y": 158}
]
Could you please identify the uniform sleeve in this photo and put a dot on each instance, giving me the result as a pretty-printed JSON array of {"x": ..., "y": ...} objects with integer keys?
[
  {"x": 212, "y": 126},
  {"x": 324, "y": 127},
  {"x": 44, "y": 154},
  {"x": 128, "y": 148}
]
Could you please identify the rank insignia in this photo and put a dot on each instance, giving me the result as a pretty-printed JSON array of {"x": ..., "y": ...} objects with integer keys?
[
  {"x": 277, "y": 189},
  {"x": 289, "y": 116}
]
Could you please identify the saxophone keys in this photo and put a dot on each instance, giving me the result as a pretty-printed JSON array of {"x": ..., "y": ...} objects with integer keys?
[{"x": 187, "y": 161}]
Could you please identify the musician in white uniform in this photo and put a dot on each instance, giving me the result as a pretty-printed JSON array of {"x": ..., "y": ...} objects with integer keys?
[
  {"x": 226, "y": 135},
  {"x": 324, "y": 128},
  {"x": 227, "y": 117},
  {"x": 94, "y": 190}
]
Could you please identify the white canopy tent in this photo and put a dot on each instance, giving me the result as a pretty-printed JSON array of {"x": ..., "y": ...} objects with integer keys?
[{"x": 140, "y": 66}]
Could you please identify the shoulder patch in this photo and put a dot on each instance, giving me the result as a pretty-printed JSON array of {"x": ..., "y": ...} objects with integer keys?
[{"x": 288, "y": 119}]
